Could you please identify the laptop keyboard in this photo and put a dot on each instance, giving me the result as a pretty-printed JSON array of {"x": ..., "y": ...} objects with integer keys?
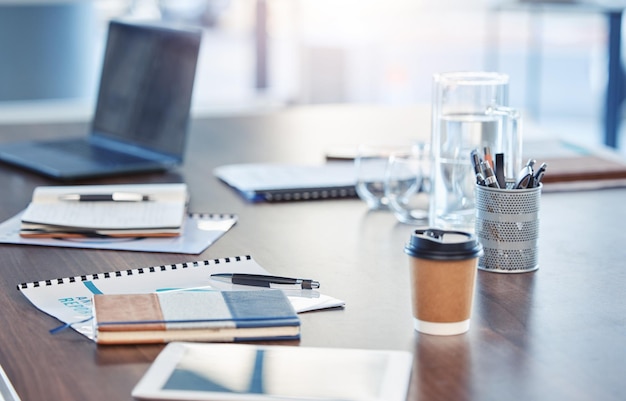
[{"x": 80, "y": 149}]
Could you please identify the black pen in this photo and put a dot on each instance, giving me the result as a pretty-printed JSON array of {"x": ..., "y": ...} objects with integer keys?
[
  {"x": 259, "y": 280},
  {"x": 475, "y": 159},
  {"x": 112, "y": 197},
  {"x": 500, "y": 170}
]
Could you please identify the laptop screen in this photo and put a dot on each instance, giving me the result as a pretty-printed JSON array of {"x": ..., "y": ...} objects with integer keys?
[{"x": 146, "y": 86}]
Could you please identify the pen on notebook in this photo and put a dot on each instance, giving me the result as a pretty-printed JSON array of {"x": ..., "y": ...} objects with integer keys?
[
  {"x": 259, "y": 280},
  {"x": 112, "y": 197}
]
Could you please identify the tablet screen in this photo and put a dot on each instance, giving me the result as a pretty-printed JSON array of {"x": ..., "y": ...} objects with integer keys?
[{"x": 236, "y": 371}]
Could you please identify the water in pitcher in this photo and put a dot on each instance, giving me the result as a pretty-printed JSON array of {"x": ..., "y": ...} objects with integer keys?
[{"x": 454, "y": 179}]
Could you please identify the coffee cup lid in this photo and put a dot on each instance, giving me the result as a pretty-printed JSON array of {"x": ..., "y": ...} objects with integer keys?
[{"x": 437, "y": 244}]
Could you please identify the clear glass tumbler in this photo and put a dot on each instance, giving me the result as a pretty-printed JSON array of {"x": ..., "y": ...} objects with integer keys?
[
  {"x": 407, "y": 184},
  {"x": 371, "y": 164}
]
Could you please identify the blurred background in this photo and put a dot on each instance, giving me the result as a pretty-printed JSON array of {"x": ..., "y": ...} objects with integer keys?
[{"x": 265, "y": 54}]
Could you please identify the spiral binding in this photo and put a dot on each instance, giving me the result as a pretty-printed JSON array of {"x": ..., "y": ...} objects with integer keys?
[
  {"x": 130, "y": 272},
  {"x": 211, "y": 216},
  {"x": 307, "y": 194}
]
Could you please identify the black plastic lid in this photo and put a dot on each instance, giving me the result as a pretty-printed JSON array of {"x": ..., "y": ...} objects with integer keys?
[{"x": 437, "y": 244}]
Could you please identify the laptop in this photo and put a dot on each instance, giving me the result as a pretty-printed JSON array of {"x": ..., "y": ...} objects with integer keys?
[{"x": 142, "y": 110}]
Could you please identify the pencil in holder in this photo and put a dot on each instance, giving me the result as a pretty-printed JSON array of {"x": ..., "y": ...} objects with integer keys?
[{"x": 507, "y": 226}]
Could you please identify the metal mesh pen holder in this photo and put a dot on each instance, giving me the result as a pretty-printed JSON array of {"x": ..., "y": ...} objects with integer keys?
[{"x": 507, "y": 226}]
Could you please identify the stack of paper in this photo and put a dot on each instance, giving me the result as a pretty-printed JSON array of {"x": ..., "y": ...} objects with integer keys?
[{"x": 106, "y": 210}]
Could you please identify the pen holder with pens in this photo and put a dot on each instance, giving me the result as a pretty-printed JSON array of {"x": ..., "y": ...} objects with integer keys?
[{"x": 507, "y": 226}]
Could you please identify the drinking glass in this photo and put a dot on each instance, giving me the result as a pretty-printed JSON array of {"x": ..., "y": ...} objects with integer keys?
[
  {"x": 407, "y": 184},
  {"x": 371, "y": 163}
]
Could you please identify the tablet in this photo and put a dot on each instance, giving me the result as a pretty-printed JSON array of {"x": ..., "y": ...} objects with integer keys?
[{"x": 213, "y": 371}]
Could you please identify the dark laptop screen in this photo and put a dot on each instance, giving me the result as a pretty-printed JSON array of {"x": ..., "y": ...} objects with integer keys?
[{"x": 146, "y": 86}]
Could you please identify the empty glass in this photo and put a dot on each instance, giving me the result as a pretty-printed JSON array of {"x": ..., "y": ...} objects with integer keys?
[
  {"x": 371, "y": 164},
  {"x": 407, "y": 184}
]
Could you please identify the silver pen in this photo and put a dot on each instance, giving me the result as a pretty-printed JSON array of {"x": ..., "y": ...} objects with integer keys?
[
  {"x": 490, "y": 178},
  {"x": 524, "y": 178},
  {"x": 112, "y": 197}
]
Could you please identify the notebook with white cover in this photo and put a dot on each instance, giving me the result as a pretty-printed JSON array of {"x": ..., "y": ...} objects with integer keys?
[{"x": 162, "y": 212}]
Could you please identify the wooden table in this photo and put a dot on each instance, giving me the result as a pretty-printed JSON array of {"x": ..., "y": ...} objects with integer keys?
[{"x": 558, "y": 333}]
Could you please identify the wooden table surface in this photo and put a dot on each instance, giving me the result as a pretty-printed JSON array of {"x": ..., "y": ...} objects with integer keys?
[{"x": 555, "y": 334}]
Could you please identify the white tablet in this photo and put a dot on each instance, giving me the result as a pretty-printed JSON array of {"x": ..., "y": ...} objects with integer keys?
[{"x": 205, "y": 371}]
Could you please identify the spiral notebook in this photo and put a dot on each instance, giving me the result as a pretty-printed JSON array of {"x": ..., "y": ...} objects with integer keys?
[
  {"x": 267, "y": 182},
  {"x": 69, "y": 299}
]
